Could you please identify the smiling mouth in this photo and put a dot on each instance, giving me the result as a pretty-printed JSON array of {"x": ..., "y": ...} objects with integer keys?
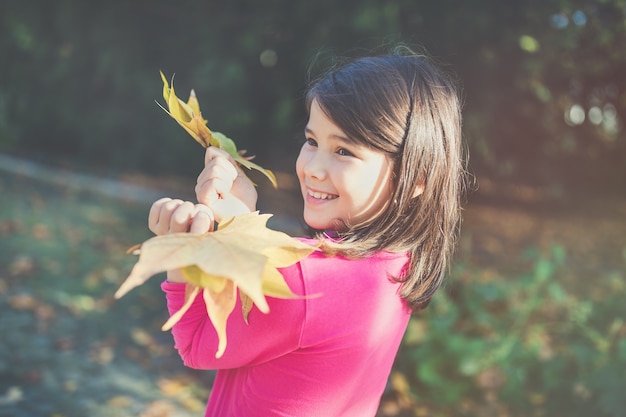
[{"x": 321, "y": 196}]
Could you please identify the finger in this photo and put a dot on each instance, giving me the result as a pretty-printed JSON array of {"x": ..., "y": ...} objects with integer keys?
[
  {"x": 155, "y": 211},
  {"x": 202, "y": 221},
  {"x": 212, "y": 190},
  {"x": 220, "y": 166},
  {"x": 181, "y": 217},
  {"x": 164, "y": 209},
  {"x": 213, "y": 152},
  {"x": 215, "y": 181},
  {"x": 218, "y": 157}
]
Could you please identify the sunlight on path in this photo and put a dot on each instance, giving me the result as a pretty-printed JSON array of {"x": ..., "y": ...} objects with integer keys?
[{"x": 107, "y": 187}]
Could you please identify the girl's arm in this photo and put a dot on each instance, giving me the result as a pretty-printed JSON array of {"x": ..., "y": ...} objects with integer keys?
[
  {"x": 223, "y": 190},
  {"x": 262, "y": 338}
]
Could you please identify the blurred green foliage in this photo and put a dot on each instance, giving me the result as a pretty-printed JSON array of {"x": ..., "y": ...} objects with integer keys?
[
  {"x": 523, "y": 346},
  {"x": 543, "y": 81}
]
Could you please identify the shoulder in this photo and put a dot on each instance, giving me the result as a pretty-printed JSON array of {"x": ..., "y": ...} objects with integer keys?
[
  {"x": 354, "y": 295},
  {"x": 336, "y": 274},
  {"x": 337, "y": 271},
  {"x": 393, "y": 262}
]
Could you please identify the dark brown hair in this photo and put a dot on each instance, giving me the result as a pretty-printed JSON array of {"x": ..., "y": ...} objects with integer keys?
[{"x": 405, "y": 106}]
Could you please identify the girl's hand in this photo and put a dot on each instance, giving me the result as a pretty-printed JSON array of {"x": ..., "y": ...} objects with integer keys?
[
  {"x": 175, "y": 216},
  {"x": 224, "y": 187}
]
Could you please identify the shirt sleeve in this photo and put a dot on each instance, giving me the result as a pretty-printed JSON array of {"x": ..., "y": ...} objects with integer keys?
[{"x": 265, "y": 337}]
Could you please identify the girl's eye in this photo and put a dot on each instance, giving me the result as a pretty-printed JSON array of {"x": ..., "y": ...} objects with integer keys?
[
  {"x": 344, "y": 152},
  {"x": 311, "y": 142}
]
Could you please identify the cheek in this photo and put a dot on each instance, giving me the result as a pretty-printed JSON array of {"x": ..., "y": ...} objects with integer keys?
[
  {"x": 300, "y": 167},
  {"x": 301, "y": 162},
  {"x": 373, "y": 189}
]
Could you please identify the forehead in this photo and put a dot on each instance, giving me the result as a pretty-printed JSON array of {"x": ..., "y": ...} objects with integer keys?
[{"x": 321, "y": 124}]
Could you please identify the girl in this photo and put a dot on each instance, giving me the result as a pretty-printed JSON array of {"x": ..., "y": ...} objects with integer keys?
[{"x": 381, "y": 173}]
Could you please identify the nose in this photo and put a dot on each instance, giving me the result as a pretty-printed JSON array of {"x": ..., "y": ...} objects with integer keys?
[{"x": 315, "y": 166}]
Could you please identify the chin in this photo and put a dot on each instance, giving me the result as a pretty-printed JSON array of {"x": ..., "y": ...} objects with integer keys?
[
  {"x": 325, "y": 225},
  {"x": 316, "y": 224}
]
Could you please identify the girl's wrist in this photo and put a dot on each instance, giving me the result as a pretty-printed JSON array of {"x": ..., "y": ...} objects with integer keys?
[{"x": 176, "y": 276}]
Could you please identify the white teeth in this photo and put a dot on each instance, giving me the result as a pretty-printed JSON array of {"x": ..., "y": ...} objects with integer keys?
[{"x": 321, "y": 196}]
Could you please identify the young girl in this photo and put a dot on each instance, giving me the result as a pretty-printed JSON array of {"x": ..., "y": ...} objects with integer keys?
[{"x": 381, "y": 173}]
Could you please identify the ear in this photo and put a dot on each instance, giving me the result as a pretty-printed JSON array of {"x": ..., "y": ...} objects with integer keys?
[{"x": 419, "y": 189}]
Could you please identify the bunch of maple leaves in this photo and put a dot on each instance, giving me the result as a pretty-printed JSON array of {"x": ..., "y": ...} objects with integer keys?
[{"x": 240, "y": 257}]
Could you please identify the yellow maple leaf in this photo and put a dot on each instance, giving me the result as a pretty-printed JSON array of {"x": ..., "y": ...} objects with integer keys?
[
  {"x": 189, "y": 116},
  {"x": 241, "y": 254}
]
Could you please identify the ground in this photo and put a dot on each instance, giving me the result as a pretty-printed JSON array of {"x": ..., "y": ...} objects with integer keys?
[{"x": 69, "y": 349}]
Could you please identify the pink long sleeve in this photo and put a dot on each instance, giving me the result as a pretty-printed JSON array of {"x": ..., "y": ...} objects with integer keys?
[
  {"x": 268, "y": 335},
  {"x": 328, "y": 354}
]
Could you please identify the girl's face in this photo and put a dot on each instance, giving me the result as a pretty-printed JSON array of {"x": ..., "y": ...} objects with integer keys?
[{"x": 341, "y": 182}]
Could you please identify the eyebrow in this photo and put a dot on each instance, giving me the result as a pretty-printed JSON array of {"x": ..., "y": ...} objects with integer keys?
[{"x": 339, "y": 137}]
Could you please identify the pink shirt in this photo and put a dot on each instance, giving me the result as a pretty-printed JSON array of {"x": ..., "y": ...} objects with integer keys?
[{"x": 326, "y": 356}]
